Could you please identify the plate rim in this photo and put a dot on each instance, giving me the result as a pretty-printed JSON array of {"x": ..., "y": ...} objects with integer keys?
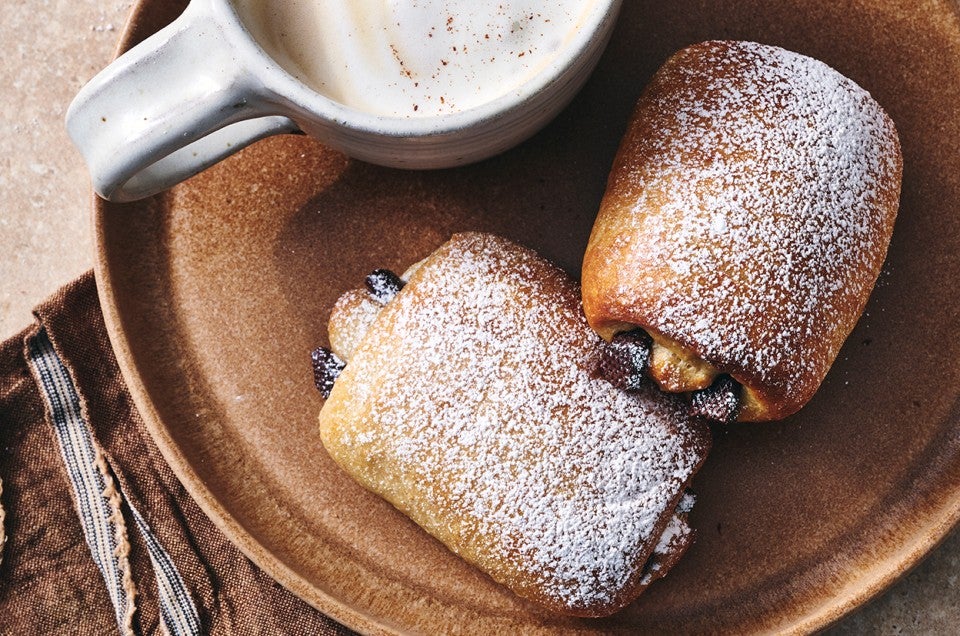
[
  {"x": 866, "y": 587},
  {"x": 225, "y": 522}
]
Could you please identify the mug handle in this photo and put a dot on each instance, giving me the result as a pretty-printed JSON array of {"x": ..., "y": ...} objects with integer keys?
[{"x": 170, "y": 107}]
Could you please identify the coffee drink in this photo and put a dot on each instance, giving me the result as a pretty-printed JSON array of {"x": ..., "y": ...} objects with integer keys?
[{"x": 411, "y": 58}]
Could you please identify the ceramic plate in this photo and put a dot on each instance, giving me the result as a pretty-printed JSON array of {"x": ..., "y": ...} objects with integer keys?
[{"x": 215, "y": 293}]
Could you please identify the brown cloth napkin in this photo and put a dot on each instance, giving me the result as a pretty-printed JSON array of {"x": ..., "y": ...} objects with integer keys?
[{"x": 173, "y": 571}]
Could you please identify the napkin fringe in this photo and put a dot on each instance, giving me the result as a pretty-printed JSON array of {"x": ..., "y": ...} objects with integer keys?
[
  {"x": 99, "y": 502},
  {"x": 51, "y": 583}
]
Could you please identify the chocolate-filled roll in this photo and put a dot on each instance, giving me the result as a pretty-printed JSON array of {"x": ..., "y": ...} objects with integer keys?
[
  {"x": 471, "y": 400},
  {"x": 746, "y": 219}
]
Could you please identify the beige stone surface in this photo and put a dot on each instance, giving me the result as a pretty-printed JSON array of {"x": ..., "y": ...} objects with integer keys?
[
  {"x": 50, "y": 48},
  {"x": 926, "y": 601}
]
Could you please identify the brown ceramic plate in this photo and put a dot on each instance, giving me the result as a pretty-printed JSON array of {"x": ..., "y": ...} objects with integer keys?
[{"x": 215, "y": 293}]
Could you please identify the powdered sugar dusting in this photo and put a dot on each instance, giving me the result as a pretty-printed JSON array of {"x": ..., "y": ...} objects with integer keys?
[
  {"x": 350, "y": 319},
  {"x": 533, "y": 462},
  {"x": 772, "y": 178},
  {"x": 675, "y": 539}
]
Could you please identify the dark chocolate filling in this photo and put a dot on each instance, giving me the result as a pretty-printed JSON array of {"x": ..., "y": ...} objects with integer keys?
[
  {"x": 625, "y": 363},
  {"x": 684, "y": 507},
  {"x": 687, "y": 501},
  {"x": 383, "y": 285},
  {"x": 626, "y": 358},
  {"x": 327, "y": 367},
  {"x": 719, "y": 402}
]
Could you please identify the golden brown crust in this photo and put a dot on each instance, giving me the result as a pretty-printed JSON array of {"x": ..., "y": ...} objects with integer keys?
[
  {"x": 746, "y": 217},
  {"x": 350, "y": 318},
  {"x": 472, "y": 404}
]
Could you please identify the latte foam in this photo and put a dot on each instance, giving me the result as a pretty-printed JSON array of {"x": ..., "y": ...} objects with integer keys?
[{"x": 412, "y": 58}]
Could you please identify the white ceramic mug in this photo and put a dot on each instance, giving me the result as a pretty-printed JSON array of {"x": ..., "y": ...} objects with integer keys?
[{"x": 202, "y": 88}]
